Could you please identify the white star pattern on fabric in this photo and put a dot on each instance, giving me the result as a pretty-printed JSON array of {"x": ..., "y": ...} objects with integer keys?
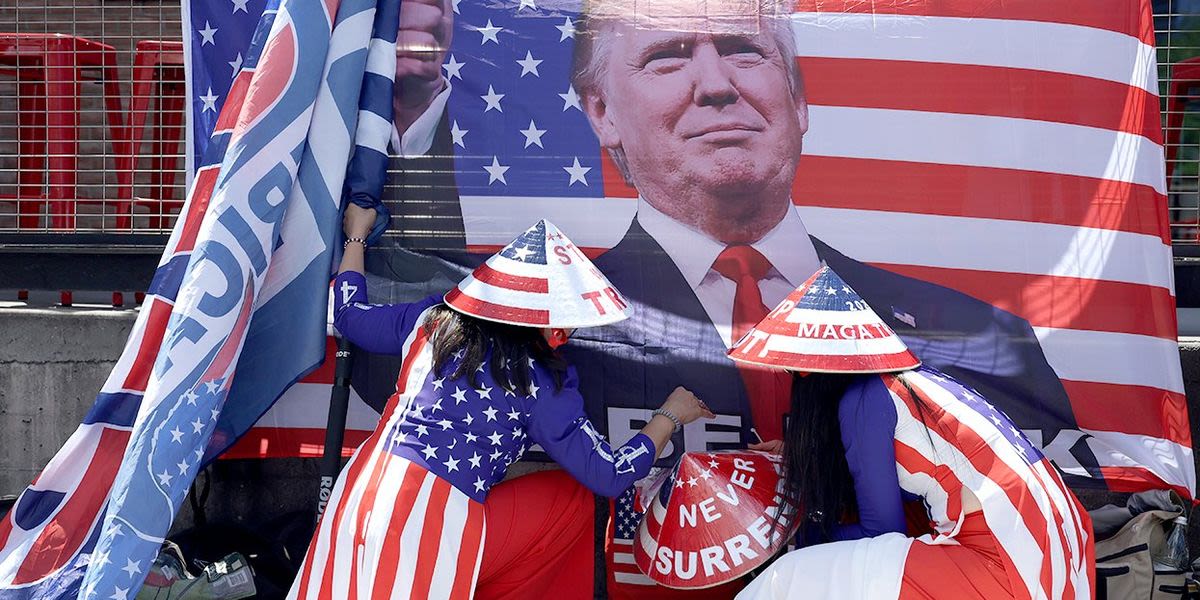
[
  {"x": 445, "y": 424},
  {"x": 495, "y": 455},
  {"x": 496, "y": 438},
  {"x": 485, "y": 393},
  {"x": 479, "y": 484},
  {"x": 451, "y": 464},
  {"x": 236, "y": 64},
  {"x": 529, "y": 65},
  {"x": 132, "y": 567},
  {"x": 207, "y": 34},
  {"x": 458, "y": 135},
  {"x": 199, "y": 453},
  {"x": 533, "y": 135},
  {"x": 712, "y": 463},
  {"x": 213, "y": 386},
  {"x": 489, "y": 32},
  {"x": 213, "y": 414},
  {"x": 678, "y": 483},
  {"x": 493, "y": 100},
  {"x": 577, "y": 172},
  {"x": 460, "y": 395},
  {"x": 176, "y": 435},
  {"x": 210, "y": 103},
  {"x": 240, "y": 5},
  {"x": 533, "y": 390},
  {"x": 514, "y": 415},
  {"x": 490, "y": 412},
  {"x": 522, "y": 252},
  {"x": 422, "y": 430},
  {"x": 706, "y": 474},
  {"x": 570, "y": 99},
  {"x": 189, "y": 395},
  {"x": 496, "y": 171},
  {"x": 566, "y": 30},
  {"x": 183, "y": 467},
  {"x": 197, "y": 426},
  {"x": 453, "y": 68},
  {"x": 518, "y": 434},
  {"x": 468, "y": 419},
  {"x": 120, "y": 594},
  {"x": 474, "y": 460},
  {"x": 437, "y": 383},
  {"x": 436, "y": 406},
  {"x": 165, "y": 478},
  {"x": 526, "y": 3},
  {"x": 430, "y": 452},
  {"x": 454, "y": 6},
  {"x": 471, "y": 437}
]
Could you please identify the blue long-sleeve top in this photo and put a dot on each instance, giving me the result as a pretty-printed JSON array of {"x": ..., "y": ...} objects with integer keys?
[
  {"x": 867, "y": 420},
  {"x": 470, "y": 435},
  {"x": 867, "y": 417}
]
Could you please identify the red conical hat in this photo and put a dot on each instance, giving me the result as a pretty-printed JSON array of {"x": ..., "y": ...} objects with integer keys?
[
  {"x": 711, "y": 520},
  {"x": 540, "y": 280},
  {"x": 824, "y": 326}
]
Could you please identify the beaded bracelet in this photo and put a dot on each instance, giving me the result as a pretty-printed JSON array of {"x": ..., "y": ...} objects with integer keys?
[{"x": 674, "y": 419}]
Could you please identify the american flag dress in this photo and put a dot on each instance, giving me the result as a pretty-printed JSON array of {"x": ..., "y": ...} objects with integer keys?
[
  {"x": 954, "y": 440},
  {"x": 406, "y": 519}
]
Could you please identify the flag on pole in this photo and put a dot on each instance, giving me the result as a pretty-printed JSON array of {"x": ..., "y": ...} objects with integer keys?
[{"x": 236, "y": 311}]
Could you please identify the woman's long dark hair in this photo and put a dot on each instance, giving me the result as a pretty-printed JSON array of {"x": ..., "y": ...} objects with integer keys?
[
  {"x": 816, "y": 477},
  {"x": 511, "y": 346}
]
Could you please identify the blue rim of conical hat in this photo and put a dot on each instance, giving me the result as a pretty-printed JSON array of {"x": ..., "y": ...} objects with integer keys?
[
  {"x": 540, "y": 279},
  {"x": 824, "y": 326}
]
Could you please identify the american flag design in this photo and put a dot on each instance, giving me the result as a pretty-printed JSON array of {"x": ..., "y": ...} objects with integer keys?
[
  {"x": 458, "y": 435},
  {"x": 392, "y": 528},
  {"x": 541, "y": 279},
  {"x": 713, "y": 520},
  {"x": 1009, "y": 151},
  {"x": 251, "y": 249},
  {"x": 957, "y": 440},
  {"x": 824, "y": 327}
]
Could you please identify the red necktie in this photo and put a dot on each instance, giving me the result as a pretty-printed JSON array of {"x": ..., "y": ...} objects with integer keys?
[{"x": 769, "y": 391}]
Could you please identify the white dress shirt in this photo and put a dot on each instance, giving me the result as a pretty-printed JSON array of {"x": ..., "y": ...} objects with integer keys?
[
  {"x": 787, "y": 247},
  {"x": 419, "y": 137}
]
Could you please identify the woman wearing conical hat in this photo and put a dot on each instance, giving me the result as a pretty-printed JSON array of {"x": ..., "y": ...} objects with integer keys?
[
  {"x": 869, "y": 429},
  {"x": 480, "y": 382}
]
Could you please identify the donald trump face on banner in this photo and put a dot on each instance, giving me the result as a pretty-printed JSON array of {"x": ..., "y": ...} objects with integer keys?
[{"x": 702, "y": 108}]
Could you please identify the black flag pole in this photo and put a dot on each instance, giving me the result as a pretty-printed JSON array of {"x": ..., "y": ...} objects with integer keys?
[{"x": 335, "y": 429}]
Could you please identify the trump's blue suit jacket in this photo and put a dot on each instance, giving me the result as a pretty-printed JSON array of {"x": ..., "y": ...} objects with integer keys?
[{"x": 670, "y": 341}]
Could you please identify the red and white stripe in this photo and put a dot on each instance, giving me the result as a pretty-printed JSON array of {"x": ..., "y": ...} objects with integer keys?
[
  {"x": 294, "y": 427},
  {"x": 392, "y": 529},
  {"x": 1045, "y": 542},
  {"x": 507, "y": 291},
  {"x": 1011, "y": 151}
]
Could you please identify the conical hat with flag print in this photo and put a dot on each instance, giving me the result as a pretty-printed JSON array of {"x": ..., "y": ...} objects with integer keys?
[
  {"x": 824, "y": 326},
  {"x": 541, "y": 279}
]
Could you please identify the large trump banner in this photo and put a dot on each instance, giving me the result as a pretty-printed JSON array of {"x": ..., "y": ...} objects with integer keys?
[{"x": 988, "y": 176}]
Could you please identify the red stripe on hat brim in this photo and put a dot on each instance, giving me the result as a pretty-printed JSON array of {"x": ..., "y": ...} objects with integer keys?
[
  {"x": 832, "y": 363},
  {"x": 508, "y": 281},
  {"x": 483, "y": 309}
]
